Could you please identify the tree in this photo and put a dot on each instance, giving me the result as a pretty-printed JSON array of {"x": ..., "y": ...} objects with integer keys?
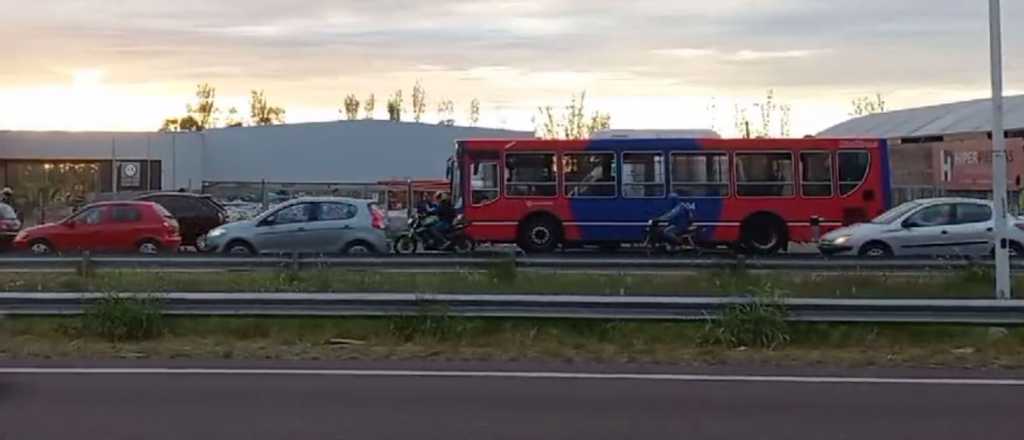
[
  {"x": 784, "y": 120},
  {"x": 741, "y": 121},
  {"x": 446, "y": 112},
  {"x": 573, "y": 123},
  {"x": 351, "y": 109},
  {"x": 773, "y": 119},
  {"x": 395, "y": 106},
  {"x": 205, "y": 110},
  {"x": 369, "y": 106},
  {"x": 474, "y": 112},
  {"x": 198, "y": 116},
  {"x": 262, "y": 113},
  {"x": 233, "y": 119},
  {"x": 868, "y": 105},
  {"x": 419, "y": 101}
]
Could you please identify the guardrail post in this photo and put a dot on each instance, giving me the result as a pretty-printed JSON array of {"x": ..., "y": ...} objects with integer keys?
[
  {"x": 741, "y": 263},
  {"x": 295, "y": 261},
  {"x": 85, "y": 268}
]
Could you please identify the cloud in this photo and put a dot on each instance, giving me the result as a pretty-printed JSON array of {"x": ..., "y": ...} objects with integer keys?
[
  {"x": 514, "y": 51},
  {"x": 756, "y": 55}
]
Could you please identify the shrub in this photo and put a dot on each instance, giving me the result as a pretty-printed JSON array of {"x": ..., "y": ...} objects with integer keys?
[
  {"x": 121, "y": 317},
  {"x": 759, "y": 323},
  {"x": 432, "y": 323},
  {"x": 503, "y": 270}
]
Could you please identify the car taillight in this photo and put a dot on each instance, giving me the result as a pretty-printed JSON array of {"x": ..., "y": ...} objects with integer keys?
[
  {"x": 10, "y": 224},
  {"x": 377, "y": 218},
  {"x": 171, "y": 225}
]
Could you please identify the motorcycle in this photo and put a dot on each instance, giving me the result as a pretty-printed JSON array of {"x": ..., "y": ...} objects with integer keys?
[
  {"x": 419, "y": 234},
  {"x": 656, "y": 242}
]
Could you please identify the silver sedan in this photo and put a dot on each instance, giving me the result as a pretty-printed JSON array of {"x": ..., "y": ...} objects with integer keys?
[
  {"x": 305, "y": 225},
  {"x": 932, "y": 227}
]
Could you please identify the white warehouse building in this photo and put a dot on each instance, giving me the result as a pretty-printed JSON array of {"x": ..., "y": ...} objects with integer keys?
[{"x": 43, "y": 167}]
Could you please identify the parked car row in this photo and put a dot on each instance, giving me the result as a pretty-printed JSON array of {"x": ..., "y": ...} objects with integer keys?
[{"x": 162, "y": 222}]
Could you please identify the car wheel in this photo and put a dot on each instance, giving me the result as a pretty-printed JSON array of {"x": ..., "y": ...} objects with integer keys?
[
  {"x": 148, "y": 247},
  {"x": 359, "y": 248},
  {"x": 875, "y": 250},
  {"x": 239, "y": 249},
  {"x": 40, "y": 247}
]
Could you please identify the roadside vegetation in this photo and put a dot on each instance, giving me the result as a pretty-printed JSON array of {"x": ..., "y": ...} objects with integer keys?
[
  {"x": 437, "y": 336},
  {"x": 504, "y": 278}
]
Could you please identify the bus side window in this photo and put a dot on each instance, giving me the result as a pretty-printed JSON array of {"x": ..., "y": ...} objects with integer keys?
[
  {"x": 643, "y": 175},
  {"x": 764, "y": 174},
  {"x": 530, "y": 174},
  {"x": 853, "y": 169},
  {"x": 484, "y": 182},
  {"x": 816, "y": 174}
]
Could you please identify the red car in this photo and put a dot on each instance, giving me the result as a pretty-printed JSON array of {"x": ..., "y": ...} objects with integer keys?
[{"x": 144, "y": 227}]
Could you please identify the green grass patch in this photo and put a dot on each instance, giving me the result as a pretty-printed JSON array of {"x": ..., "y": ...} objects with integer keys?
[
  {"x": 440, "y": 336},
  {"x": 503, "y": 278},
  {"x": 119, "y": 318}
]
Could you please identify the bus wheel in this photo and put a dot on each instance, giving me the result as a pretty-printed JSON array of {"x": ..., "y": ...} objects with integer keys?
[
  {"x": 539, "y": 235},
  {"x": 763, "y": 235}
]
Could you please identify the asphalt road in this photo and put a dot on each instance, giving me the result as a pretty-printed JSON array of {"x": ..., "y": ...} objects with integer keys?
[{"x": 226, "y": 404}]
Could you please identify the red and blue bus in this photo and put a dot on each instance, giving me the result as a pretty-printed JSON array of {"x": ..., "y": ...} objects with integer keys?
[{"x": 755, "y": 194}]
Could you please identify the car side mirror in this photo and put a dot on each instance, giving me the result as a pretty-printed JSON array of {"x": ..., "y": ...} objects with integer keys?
[
  {"x": 269, "y": 221},
  {"x": 910, "y": 224}
]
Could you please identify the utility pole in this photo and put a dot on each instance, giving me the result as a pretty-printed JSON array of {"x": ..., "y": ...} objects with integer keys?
[{"x": 998, "y": 153}]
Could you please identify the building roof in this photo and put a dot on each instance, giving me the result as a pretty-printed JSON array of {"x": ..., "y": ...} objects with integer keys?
[{"x": 936, "y": 120}]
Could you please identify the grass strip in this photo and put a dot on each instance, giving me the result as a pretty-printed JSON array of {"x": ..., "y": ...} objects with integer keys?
[
  {"x": 961, "y": 283},
  {"x": 441, "y": 337}
]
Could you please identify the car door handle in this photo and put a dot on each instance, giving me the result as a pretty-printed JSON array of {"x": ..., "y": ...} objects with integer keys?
[
  {"x": 346, "y": 227},
  {"x": 944, "y": 232},
  {"x": 303, "y": 229},
  {"x": 989, "y": 229}
]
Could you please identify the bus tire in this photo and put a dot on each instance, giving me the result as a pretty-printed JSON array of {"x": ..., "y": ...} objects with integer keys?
[
  {"x": 763, "y": 234},
  {"x": 539, "y": 234}
]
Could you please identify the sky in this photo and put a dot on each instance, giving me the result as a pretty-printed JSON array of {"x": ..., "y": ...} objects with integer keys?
[{"x": 127, "y": 65}]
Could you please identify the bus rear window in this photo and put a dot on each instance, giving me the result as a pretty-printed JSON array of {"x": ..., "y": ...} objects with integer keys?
[{"x": 853, "y": 169}]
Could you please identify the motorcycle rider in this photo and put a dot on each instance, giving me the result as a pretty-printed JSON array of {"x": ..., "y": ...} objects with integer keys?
[
  {"x": 445, "y": 212},
  {"x": 677, "y": 220}
]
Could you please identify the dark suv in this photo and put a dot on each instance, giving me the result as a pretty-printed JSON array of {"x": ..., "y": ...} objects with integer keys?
[{"x": 197, "y": 214}]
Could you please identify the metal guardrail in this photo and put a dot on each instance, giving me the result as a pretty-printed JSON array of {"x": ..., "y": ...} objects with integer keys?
[
  {"x": 443, "y": 263},
  {"x": 993, "y": 312}
]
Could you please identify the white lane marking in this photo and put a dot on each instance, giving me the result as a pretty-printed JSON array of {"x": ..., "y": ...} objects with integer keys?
[{"x": 520, "y": 375}]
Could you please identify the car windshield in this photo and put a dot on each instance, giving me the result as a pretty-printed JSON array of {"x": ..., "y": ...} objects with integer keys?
[{"x": 894, "y": 214}]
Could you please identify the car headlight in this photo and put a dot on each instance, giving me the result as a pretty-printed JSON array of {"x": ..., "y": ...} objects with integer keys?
[
  {"x": 22, "y": 236},
  {"x": 841, "y": 239},
  {"x": 216, "y": 232}
]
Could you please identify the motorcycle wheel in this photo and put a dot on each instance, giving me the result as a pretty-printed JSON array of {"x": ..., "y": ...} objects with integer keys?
[
  {"x": 406, "y": 245},
  {"x": 463, "y": 245}
]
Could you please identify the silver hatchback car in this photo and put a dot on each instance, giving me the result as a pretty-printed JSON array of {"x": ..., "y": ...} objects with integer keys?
[
  {"x": 326, "y": 225},
  {"x": 932, "y": 227}
]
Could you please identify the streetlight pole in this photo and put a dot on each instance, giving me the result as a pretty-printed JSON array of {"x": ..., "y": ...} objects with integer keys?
[{"x": 998, "y": 153}]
